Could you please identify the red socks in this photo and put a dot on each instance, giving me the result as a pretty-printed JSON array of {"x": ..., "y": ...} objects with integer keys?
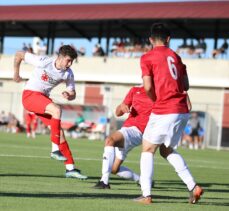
[
  {"x": 55, "y": 131},
  {"x": 55, "y": 137},
  {"x": 64, "y": 148}
]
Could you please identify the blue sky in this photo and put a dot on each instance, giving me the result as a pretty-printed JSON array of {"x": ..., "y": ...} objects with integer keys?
[{"x": 11, "y": 45}]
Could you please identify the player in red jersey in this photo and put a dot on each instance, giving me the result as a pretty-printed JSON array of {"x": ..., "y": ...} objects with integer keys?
[
  {"x": 48, "y": 73},
  {"x": 166, "y": 82},
  {"x": 31, "y": 124},
  {"x": 118, "y": 144}
]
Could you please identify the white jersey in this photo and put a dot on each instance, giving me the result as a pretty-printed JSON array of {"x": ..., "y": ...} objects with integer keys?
[{"x": 45, "y": 76}]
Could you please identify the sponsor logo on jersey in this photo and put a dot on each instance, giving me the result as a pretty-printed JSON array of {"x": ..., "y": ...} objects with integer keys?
[
  {"x": 44, "y": 76},
  {"x": 47, "y": 78}
]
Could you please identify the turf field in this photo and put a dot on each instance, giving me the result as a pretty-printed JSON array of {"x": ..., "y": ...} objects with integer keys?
[{"x": 30, "y": 180}]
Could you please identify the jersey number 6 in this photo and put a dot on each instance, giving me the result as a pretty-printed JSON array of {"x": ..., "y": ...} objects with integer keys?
[{"x": 172, "y": 67}]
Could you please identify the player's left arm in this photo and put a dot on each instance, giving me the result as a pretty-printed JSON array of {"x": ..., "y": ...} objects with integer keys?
[
  {"x": 122, "y": 109},
  {"x": 70, "y": 93},
  {"x": 146, "y": 77},
  {"x": 188, "y": 102}
]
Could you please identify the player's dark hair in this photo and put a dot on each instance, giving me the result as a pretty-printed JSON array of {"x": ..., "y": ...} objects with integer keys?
[
  {"x": 159, "y": 31},
  {"x": 67, "y": 50}
]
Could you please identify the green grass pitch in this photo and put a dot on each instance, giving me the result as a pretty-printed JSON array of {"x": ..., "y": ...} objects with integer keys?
[{"x": 30, "y": 180}]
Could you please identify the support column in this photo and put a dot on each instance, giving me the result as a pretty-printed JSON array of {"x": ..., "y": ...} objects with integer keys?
[
  {"x": 2, "y": 35},
  {"x": 108, "y": 37},
  {"x": 216, "y": 34}
]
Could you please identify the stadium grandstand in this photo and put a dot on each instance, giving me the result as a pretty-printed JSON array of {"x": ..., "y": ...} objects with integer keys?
[{"x": 104, "y": 84}]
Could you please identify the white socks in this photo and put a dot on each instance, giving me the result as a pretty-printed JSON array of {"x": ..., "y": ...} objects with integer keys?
[
  {"x": 182, "y": 170},
  {"x": 108, "y": 160},
  {"x": 70, "y": 167},
  {"x": 146, "y": 165},
  {"x": 126, "y": 173},
  {"x": 55, "y": 147}
]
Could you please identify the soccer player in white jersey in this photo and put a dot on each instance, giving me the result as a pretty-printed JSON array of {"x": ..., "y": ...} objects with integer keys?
[
  {"x": 118, "y": 144},
  {"x": 48, "y": 73}
]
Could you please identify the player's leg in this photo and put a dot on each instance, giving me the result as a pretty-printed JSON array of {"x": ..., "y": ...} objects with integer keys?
[
  {"x": 55, "y": 151},
  {"x": 71, "y": 170},
  {"x": 42, "y": 105},
  {"x": 37, "y": 102},
  {"x": 55, "y": 111},
  {"x": 28, "y": 125},
  {"x": 123, "y": 171},
  {"x": 132, "y": 138},
  {"x": 34, "y": 126},
  {"x": 152, "y": 138},
  {"x": 160, "y": 129},
  {"x": 147, "y": 171},
  {"x": 177, "y": 161},
  {"x": 115, "y": 139}
]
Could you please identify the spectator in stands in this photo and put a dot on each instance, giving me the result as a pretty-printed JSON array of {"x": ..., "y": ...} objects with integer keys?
[
  {"x": 81, "y": 51},
  {"x": 36, "y": 48},
  {"x": 30, "y": 48},
  {"x": 200, "y": 48},
  {"x": 43, "y": 49},
  {"x": 183, "y": 48},
  {"x": 24, "y": 47},
  {"x": 191, "y": 48},
  {"x": 222, "y": 50},
  {"x": 98, "y": 50},
  {"x": 114, "y": 48}
]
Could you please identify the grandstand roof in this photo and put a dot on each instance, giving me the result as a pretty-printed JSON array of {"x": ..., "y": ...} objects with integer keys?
[
  {"x": 209, "y": 19},
  {"x": 76, "y": 12},
  {"x": 204, "y": 19}
]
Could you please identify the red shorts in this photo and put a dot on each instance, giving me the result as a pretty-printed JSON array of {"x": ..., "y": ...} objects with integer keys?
[{"x": 36, "y": 102}]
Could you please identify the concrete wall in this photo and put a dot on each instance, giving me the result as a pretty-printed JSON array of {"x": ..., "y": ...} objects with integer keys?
[{"x": 208, "y": 80}]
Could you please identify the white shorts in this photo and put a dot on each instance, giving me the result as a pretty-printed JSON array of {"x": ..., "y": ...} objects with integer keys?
[
  {"x": 165, "y": 129},
  {"x": 132, "y": 138}
]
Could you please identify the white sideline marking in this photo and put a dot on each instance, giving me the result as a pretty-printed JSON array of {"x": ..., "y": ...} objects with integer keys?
[
  {"x": 96, "y": 159},
  {"x": 45, "y": 148}
]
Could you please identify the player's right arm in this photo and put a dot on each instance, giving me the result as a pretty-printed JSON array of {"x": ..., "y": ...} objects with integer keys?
[
  {"x": 122, "y": 109},
  {"x": 19, "y": 56},
  {"x": 125, "y": 106},
  {"x": 147, "y": 77}
]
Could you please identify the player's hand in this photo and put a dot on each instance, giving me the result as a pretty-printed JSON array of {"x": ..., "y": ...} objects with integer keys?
[
  {"x": 17, "y": 78},
  {"x": 125, "y": 108},
  {"x": 65, "y": 95}
]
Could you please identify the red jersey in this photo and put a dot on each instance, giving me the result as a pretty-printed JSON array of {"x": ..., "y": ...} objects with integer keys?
[
  {"x": 141, "y": 107},
  {"x": 167, "y": 71}
]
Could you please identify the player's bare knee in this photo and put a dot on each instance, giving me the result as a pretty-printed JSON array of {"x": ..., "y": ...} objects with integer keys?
[
  {"x": 109, "y": 141},
  {"x": 56, "y": 111}
]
